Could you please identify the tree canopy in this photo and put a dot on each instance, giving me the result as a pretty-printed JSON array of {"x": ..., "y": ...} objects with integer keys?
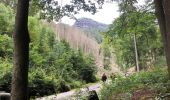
[{"x": 141, "y": 23}]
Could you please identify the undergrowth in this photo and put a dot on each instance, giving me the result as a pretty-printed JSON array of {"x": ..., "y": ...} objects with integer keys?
[{"x": 139, "y": 86}]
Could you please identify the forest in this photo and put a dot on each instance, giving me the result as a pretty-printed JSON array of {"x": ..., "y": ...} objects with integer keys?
[
  {"x": 137, "y": 42},
  {"x": 54, "y": 66},
  {"x": 35, "y": 62}
]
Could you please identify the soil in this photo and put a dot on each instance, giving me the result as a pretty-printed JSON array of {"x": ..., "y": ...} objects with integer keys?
[{"x": 143, "y": 94}]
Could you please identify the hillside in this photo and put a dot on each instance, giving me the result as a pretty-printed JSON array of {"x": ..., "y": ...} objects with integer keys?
[
  {"x": 78, "y": 39},
  {"x": 91, "y": 28}
]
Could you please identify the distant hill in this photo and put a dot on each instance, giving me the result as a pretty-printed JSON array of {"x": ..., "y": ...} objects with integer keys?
[
  {"x": 79, "y": 40},
  {"x": 91, "y": 28}
]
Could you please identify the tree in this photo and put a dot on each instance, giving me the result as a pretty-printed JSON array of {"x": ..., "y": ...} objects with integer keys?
[
  {"x": 21, "y": 53},
  {"x": 21, "y": 38},
  {"x": 162, "y": 10},
  {"x": 141, "y": 23}
]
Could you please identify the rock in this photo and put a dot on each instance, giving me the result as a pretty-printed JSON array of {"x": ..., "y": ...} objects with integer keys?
[
  {"x": 5, "y": 96},
  {"x": 93, "y": 95}
]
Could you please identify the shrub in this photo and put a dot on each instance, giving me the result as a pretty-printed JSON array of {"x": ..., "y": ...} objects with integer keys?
[
  {"x": 5, "y": 74},
  {"x": 151, "y": 80},
  {"x": 6, "y": 20},
  {"x": 40, "y": 84}
]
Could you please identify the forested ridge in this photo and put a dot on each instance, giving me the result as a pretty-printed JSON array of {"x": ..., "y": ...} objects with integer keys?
[{"x": 91, "y": 28}]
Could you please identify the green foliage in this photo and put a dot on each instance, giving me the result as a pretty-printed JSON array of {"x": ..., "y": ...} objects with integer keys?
[
  {"x": 155, "y": 80},
  {"x": 53, "y": 10},
  {"x": 5, "y": 74},
  {"x": 85, "y": 66},
  {"x": 11, "y": 3},
  {"x": 6, "y": 48},
  {"x": 39, "y": 83},
  {"x": 6, "y": 20},
  {"x": 106, "y": 55},
  {"x": 34, "y": 27},
  {"x": 94, "y": 33},
  {"x": 65, "y": 67},
  {"x": 121, "y": 37},
  {"x": 161, "y": 61},
  {"x": 87, "y": 72},
  {"x": 54, "y": 66}
]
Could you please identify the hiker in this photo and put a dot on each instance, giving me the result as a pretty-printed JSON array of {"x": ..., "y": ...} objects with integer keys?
[{"x": 104, "y": 77}]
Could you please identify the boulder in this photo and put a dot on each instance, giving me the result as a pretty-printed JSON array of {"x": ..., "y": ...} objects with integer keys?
[
  {"x": 5, "y": 96},
  {"x": 93, "y": 95}
]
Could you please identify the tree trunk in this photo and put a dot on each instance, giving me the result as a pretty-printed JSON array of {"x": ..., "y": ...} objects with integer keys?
[
  {"x": 136, "y": 54},
  {"x": 162, "y": 8},
  {"x": 21, "y": 53}
]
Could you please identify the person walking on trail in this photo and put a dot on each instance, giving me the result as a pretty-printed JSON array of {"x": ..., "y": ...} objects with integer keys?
[{"x": 104, "y": 77}]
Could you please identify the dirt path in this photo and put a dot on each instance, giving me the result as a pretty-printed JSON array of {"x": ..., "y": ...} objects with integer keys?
[{"x": 70, "y": 95}]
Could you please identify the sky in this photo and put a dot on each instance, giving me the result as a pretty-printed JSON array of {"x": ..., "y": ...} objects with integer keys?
[{"x": 105, "y": 15}]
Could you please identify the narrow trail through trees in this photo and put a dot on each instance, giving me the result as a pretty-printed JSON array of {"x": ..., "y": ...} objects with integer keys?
[{"x": 71, "y": 95}]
